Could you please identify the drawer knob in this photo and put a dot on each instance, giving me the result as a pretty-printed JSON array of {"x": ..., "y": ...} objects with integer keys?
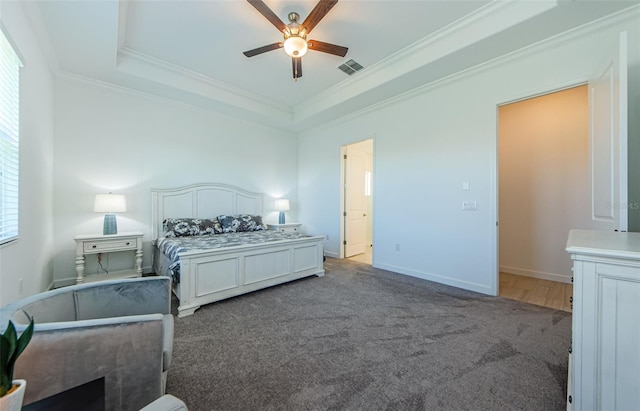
[
  {"x": 128, "y": 242},
  {"x": 570, "y": 399},
  {"x": 570, "y": 350},
  {"x": 571, "y": 299},
  {"x": 93, "y": 246}
]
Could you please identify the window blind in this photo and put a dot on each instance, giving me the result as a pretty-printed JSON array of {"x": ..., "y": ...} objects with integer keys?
[{"x": 9, "y": 140}]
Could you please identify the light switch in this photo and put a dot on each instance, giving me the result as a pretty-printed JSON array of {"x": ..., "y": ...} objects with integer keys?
[
  {"x": 465, "y": 186},
  {"x": 469, "y": 206}
]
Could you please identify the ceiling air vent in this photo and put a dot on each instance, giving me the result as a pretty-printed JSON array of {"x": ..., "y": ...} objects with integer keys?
[{"x": 350, "y": 67}]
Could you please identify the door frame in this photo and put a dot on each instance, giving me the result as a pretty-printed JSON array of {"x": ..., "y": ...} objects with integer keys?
[
  {"x": 343, "y": 184},
  {"x": 622, "y": 149},
  {"x": 495, "y": 285}
]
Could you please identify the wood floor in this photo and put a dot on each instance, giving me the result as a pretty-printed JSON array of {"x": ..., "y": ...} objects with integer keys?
[{"x": 535, "y": 291}]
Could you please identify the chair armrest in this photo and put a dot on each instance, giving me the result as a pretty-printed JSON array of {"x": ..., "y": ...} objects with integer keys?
[
  {"x": 166, "y": 403},
  {"x": 133, "y": 296}
]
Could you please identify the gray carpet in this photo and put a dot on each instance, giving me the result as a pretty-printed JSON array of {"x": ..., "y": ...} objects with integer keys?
[{"x": 367, "y": 339}]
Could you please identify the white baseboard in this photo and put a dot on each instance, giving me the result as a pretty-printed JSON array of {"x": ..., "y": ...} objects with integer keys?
[
  {"x": 480, "y": 288},
  {"x": 63, "y": 282},
  {"x": 331, "y": 254},
  {"x": 536, "y": 274}
]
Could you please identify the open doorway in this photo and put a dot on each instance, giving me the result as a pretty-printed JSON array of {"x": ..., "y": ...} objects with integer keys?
[
  {"x": 357, "y": 201},
  {"x": 605, "y": 203},
  {"x": 544, "y": 191}
]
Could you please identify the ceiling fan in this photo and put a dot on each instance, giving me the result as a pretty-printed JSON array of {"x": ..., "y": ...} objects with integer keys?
[{"x": 295, "y": 42}]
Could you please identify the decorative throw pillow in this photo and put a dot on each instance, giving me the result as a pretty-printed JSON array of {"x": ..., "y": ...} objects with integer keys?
[
  {"x": 241, "y": 222},
  {"x": 182, "y": 227}
]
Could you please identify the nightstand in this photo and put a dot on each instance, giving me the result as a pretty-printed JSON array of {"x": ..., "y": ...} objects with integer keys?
[
  {"x": 285, "y": 228},
  {"x": 98, "y": 243}
]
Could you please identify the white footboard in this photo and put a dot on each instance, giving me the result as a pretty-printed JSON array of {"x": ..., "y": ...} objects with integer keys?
[{"x": 214, "y": 275}]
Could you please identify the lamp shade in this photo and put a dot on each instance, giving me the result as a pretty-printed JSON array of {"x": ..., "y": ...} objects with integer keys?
[
  {"x": 110, "y": 203},
  {"x": 282, "y": 204},
  {"x": 295, "y": 46}
]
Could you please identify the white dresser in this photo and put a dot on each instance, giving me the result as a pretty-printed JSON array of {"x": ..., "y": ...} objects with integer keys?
[{"x": 604, "y": 364}]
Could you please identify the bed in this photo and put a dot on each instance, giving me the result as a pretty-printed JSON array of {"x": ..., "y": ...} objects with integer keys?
[{"x": 211, "y": 267}]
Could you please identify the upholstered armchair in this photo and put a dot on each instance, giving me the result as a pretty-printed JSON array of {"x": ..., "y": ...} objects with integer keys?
[{"x": 116, "y": 332}]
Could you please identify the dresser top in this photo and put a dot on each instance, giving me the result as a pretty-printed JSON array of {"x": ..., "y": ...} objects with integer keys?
[{"x": 604, "y": 243}]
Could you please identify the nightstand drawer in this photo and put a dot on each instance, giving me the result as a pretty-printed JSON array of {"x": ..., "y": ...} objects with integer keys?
[
  {"x": 285, "y": 228},
  {"x": 110, "y": 245}
]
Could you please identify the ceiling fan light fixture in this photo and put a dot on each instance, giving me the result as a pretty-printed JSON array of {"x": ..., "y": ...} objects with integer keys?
[{"x": 295, "y": 46}]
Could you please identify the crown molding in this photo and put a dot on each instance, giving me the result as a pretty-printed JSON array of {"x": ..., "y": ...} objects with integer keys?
[
  {"x": 158, "y": 98},
  {"x": 141, "y": 65},
  {"x": 629, "y": 15},
  {"x": 482, "y": 23}
]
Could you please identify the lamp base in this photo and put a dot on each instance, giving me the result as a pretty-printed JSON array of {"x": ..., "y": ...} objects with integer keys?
[
  {"x": 281, "y": 218},
  {"x": 110, "y": 226}
]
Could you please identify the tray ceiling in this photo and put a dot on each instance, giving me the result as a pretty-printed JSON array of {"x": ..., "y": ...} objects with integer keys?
[{"x": 191, "y": 51}]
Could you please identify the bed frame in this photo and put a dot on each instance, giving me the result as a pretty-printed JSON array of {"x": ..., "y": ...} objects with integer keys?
[{"x": 214, "y": 275}]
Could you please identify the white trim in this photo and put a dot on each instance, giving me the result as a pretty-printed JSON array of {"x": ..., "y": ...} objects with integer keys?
[
  {"x": 331, "y": 254},
  {"x": 629, "y": 14},
  {"x": 480, "y": 24},
  {"x": 480, "y": 288},
  {"x": 156, "y": 97},
  {"x": 148, "y": 67}
]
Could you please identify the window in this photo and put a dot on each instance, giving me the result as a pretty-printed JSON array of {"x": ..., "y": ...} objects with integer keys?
[{"x": 9, "y": 154}]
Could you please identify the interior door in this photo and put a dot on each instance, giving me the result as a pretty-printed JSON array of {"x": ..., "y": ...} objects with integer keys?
[
  {"x": 608, "y": 140},
  {"x": 355, "y": 203}
]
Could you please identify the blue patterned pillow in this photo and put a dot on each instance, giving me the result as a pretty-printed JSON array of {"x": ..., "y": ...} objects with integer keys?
[
  {"x": 241, "y": 222},
  {"x": 183, "y": 227}
]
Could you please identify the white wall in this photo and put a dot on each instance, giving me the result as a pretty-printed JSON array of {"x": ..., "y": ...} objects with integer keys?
[
  {"x": 426, "y": 145},
  {"x": 29, "y": 258},
  {"x": 109, "y": 139},
  {"x": 544, "y": 181}
]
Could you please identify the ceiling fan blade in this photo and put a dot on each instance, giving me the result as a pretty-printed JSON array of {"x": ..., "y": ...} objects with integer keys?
[
  {"x": 268, "y": 14},
  {"x": 327, "y": 48},
  {"x": 297, "y": 67},
  {"x": 263, "y": 49},
  {"x": 319, "y": 11}
]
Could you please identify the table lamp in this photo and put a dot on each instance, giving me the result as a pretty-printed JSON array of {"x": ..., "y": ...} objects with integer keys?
[
  {"x": 110, "y": 204},
  {"x": 282, "y": 205}
]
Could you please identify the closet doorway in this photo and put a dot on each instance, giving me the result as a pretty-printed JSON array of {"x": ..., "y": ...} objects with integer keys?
[
  {"x": 544, "y": 191},
  {"x": 357, "y": 201}
]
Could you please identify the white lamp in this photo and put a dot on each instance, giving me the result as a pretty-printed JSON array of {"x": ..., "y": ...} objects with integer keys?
[
  {"x": 110, "y": 204},
  {"x": 282, "y": 205},
  {"x": 295, "y": 46}
]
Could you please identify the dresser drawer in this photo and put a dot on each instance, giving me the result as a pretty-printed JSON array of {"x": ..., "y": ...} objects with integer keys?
[{"x": 109, "y": 245}]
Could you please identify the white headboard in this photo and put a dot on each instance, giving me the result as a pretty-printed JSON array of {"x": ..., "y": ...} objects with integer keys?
[{"x": 205, "y": 200}]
